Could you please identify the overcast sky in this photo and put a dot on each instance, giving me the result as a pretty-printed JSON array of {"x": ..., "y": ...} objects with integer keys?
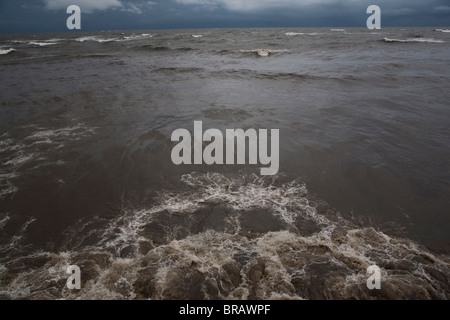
[{"x": 17, "y": 16}]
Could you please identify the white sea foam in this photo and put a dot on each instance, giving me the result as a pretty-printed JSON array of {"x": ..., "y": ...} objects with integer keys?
[
  {"x": 137, "y": 37},
  {"x": 294, "y": 33},
  {"x": 15, "y": 241},
  {"x": 58, "y": 137},
  {"x": 337, "y": 30},
  {"x": 4, "y": 221},
  {"x": 21, "y": 158},
  {"x": 8, "y": 145},
  {"x": 6, "y": 51},
  {"x": 442, "y": 30},
  {"x": 107, "y": 40},
  {"x": 410, "y": 40},
  {"x": 263, "y": 52},
  {"x": 42, "y": 44},
  {"x": 90, "y": 38},
  {"x": 230, "y": 265},
  {"x": 126, "y": 38},
  {"x": 197, "y": 35},
  {"x": 56, "y": 40},
  {"x": 303, "y": 33},
  {"x": 7, "y": 188}
]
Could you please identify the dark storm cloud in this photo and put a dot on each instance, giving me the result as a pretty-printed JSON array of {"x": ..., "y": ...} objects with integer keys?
[{"x": 50, "y": 15}]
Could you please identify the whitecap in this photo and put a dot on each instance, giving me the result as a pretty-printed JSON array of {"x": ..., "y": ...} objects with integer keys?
[
  {"x": 294, "y": 33},
  {"x": 136, "y": 37},
  {"x": 262, "y": 52},
  {"x": 6, "y": 51},
  {"x": 89, "y": 38},
  {"x": 42, "y": 44},
  {"x": 410, "y": 40},
  {"x": 442, "y": 30}
]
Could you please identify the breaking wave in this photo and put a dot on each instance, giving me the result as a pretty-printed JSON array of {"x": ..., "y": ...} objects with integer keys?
[
  {"x": 263, "y": 52},
  {"x": 6, "y": 51},
  {"x": 294, "y": 33},
  {"x": 219, "y": 237},
  {"x": 117, "y": 39},
  {"x": 42, "y": 44},
  {"x": 409, "y": 40}
]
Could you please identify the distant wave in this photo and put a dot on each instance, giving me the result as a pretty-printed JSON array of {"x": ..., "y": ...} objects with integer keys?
[
  {"x": 262, "y": 52},
  {"x": 442, "y": 30},
  {"x": 136, "y": 37},
  {"x": 294, "y": 33},
  {"x": 6, "y": 51},
  {"x": 337, "y": 30},
  {"x": 41, "y": 44},
  {"x": 364, "y": 33},
  {"x": 301, "y": 33},
  {"x": 127, "y": 38},
  {"x": 197, "y": 35},
  {"x": 97, "y": 39},
  {"x": 429, "y": 40},
  {"x": 94, "y": 38}
]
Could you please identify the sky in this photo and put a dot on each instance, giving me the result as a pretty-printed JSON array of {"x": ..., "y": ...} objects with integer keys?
[{"x": 31, "y": 16}]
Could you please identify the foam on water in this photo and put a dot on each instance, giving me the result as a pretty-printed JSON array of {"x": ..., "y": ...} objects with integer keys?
[
  {"x": 32, "y": 152},
  {"x": 442, "y": 30},
  {"x": 294, "y": 33},
  {"x": 42, "y": 44},
  {"x": 117, "y": 39},
  {"x": 73, "y": 133},
  {"x": 145, "y": 253},
  {"x": 21, "y": 158},
  {"x": 410, "y": 40},
  {"x": 137, "y": 37},
  {"x": 6, "y": 51},
  {"x": 302, "y": 33},
  {"x": 262, "y": 52},
  {"x": 3, "y": 221},
  {"x": 91, "y": 38}
]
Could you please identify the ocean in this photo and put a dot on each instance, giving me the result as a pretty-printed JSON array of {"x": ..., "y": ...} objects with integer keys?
[{"x": 86, "y": 176}]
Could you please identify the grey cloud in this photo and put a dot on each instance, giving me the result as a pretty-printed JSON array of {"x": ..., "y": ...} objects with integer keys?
[{"x": 87, "y": 6}]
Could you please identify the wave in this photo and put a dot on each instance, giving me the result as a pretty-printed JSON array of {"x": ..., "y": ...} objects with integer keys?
[
  {"x": 442, "y": 30},
  {"x": 302, "y": 33},
  {"x": 96, "y": 39},
  {"x": 220, "y": 237},
  {"x": 411, "y": 40},
  {"x": 136, "y": 37},
  {"x": 294, "y": 33},
  {"x": 263, "y": 52},
  {"x": 337, "y": 30},
  {"x": 197, "y": 35},
  {"x": 363, "y": 33},
  {"x": 31, "y": 152},
  {"x": 42, "y": 44},
  {"x": 6, "y": 51}
]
